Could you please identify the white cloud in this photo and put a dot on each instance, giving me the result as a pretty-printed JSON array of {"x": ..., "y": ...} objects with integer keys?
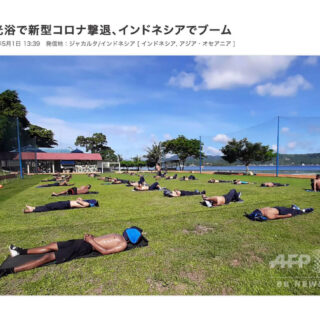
[
  {"x": 221, "y": 72},
  {"x": 292, "y": 144},
  {"x": 183, "y": 80},
  {"x": 282, "y": 149},
  {"x": 167, "y": 136},
  {"x": 221, "y": 138},
  {"x": 66, "y": 132},
  {"x": 82, "y": 103},
  {"x": 285, "y": 129},
  {"x": 284, "y": 89},
  {"x": 312, "y": 61},
  {"x": 213, "y": 151}
]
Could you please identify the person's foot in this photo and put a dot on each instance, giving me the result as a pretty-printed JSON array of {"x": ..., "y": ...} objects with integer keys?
[
  {"x": 54, "y": 194},
  {"x": 28, "y": 209},
  {"x": 239, "y": 195},
  {"x": 307, "y": 210},
  {"x": 5, "y": 272},
  {"x": 295, "y": 207},
  {"x": 203, "y": 192},
  {"x": 208, "y": 203},
  {"x": 15, "y": 251}
]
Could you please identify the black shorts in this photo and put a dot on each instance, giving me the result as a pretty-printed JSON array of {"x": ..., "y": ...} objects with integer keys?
[
  {"x": 72, "y": 190},
  {"x": 71, "y": 249}
]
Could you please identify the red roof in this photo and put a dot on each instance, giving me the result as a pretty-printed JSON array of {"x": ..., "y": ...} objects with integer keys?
[{"x": 51, "y": 156}]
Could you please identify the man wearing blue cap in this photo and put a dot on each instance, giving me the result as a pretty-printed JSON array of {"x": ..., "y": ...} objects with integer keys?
[
  {"x": 59, "y": 252},
  {"x": 63, "y": 251}
]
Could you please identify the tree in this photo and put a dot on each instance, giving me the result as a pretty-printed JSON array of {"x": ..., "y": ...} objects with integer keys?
[
  {"x": 183, "y": 148},
  {"x": 12, "y": 108},
  {"x": 246, "y": 152},
  {"x": 97, "y": 144},
  {"x": 138, "y": 162},
  {"x": 108, "y": 154},
  {"x": 44, "y": 137},
  {"x": 154, "y": 154},
  {"x": 127, "y": 164}
]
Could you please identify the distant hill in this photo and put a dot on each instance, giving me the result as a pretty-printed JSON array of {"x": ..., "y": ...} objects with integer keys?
[{"x": 285, "y": 159}]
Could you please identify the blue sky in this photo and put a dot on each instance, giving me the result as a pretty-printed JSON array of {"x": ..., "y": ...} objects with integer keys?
[{"x": 138, "y": 100}]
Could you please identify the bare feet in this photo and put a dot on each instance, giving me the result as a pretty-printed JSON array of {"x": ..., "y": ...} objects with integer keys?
[
  {"x": 54, "y": 194},
  {"x": 28, "y": 209}
]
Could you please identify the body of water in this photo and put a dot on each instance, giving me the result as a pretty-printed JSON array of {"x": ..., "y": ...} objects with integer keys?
[{"x": 257, "y": 169}]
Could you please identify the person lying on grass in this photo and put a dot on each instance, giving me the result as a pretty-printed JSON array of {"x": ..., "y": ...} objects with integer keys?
[
  {"x": 63, "y": 205},
  {"x": 241, "y": 182},
  {"x": 58, "y": 178},
  {"x": 182, "y": 193},
  {"x": 73, "y": 191},
  {"x": 315, "y": 183},
  {"x": 139, "y": 183},
  {"x": 231, "y": 196},
  {"x": 191, "y": 177},
  {"x": 93, "y": 175},
  {"x": 114, "y": 180},
  {"x": 127, "y": 182},
  {"x": 57, "y": 184},
  {"x": 274, "y": 213},
  {"x": 63, "y": 251},
  {"x": 154, "y": 186},
  {"x": 273, "y": 184},
  {"x": 218, "y": 181},
  {"x": 172, "y": 177}
]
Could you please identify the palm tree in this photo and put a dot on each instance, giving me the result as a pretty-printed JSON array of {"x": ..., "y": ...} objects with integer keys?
[{"x": 154, "y": 154}]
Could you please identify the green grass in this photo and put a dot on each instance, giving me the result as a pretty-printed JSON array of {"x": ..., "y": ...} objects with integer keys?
[{"x": 193, "y": 250}]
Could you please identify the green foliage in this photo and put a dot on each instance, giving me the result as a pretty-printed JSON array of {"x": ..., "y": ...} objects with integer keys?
[
  {"x": 108, "y": 154},
  {"x": 97, "y": 144},
  {"x": 127, "y": 164},
  {"x": 44, "y": 137},
  {"x": 8, "y": 133},
  {"x": 183, "y": 148},
  {"x": 94, "y": 144},
  {"x": 135, "y": 163},
  {"x": 246, "y": 152},
  {"x": 12, "y": 108},
  {"x": 154, "y": 154}
]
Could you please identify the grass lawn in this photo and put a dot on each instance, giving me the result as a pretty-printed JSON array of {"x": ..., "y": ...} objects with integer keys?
[{"x": 193, "y": 250}]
